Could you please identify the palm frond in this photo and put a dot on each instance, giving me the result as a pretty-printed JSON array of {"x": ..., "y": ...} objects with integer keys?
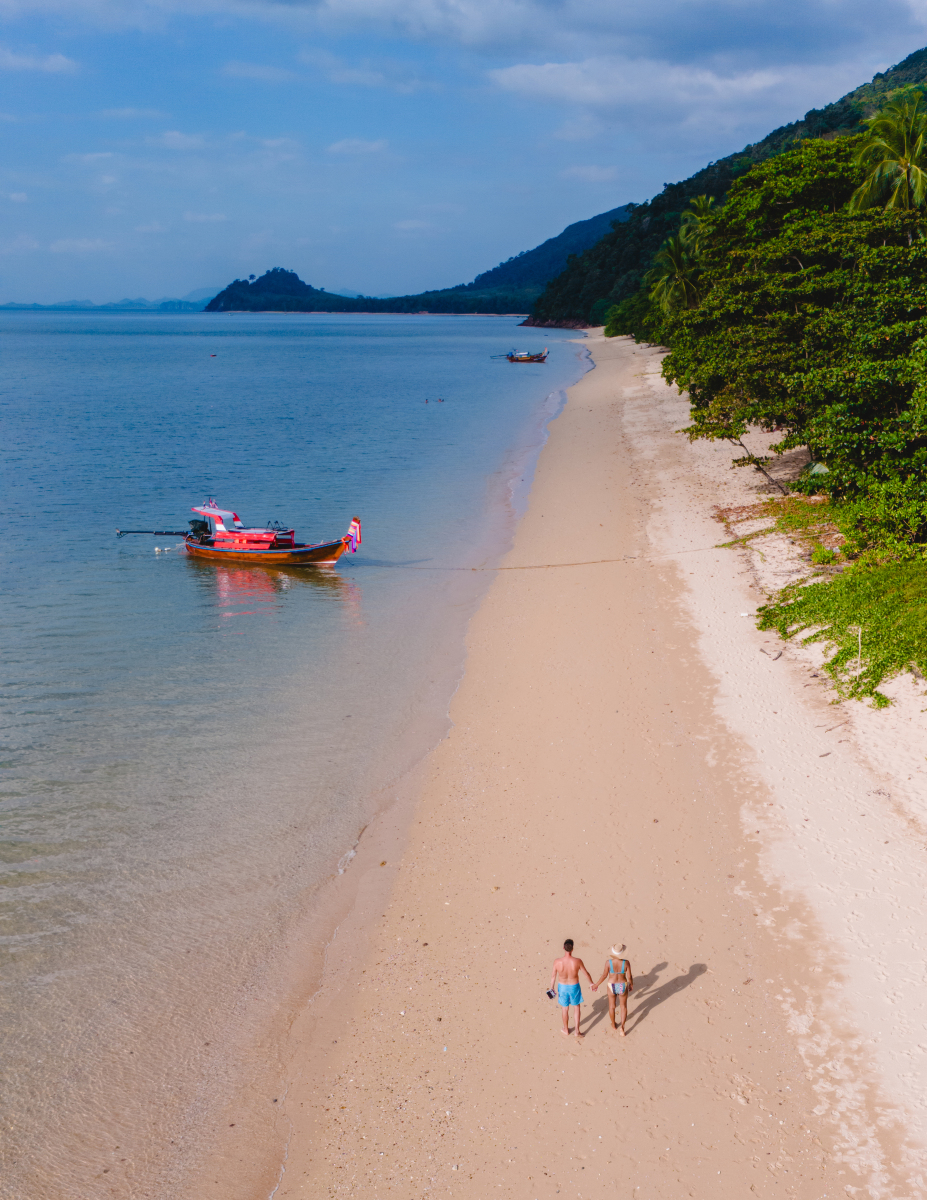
[{"x": 895, "y": 152}]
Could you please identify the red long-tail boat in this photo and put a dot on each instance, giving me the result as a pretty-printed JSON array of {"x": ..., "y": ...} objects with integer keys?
[{"x": 220, "y": 534}]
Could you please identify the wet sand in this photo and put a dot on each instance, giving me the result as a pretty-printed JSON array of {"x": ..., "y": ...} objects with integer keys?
[{"x": 617, "y": 772}]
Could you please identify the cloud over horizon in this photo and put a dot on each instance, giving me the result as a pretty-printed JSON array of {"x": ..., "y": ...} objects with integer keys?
[
  {"x": 249, "y": 126},
  {"x": 53, "y": 64}
]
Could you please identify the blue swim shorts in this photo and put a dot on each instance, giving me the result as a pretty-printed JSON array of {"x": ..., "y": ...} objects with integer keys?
[{"x": 569, "y": 993}]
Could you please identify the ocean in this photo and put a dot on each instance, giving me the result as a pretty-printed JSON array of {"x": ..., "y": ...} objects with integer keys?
[{"x": 191, "y": 750}]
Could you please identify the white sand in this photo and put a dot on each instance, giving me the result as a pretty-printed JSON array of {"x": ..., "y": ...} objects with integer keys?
[{"x": 625, "y": 762}]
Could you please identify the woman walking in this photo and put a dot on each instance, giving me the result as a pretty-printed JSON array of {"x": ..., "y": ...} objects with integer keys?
[{"x": 620, "y": 984}]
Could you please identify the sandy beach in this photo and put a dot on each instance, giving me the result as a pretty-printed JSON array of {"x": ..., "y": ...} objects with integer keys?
[{"x": 630, "y": 761}]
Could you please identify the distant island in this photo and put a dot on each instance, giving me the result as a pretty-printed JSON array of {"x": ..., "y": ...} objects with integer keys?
[
  {"x": 192, "y": 302},
  {"x": 569, "y": 281},
  {"x": 572, "y": 280},
  {"x": 511, "y": 287}
]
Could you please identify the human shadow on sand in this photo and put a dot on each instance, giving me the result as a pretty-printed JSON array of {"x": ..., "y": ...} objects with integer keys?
[
  {"x": 642, "y": 984},
  {"x": 646, "y": 994},
  {"x": 656, "y": 996}
]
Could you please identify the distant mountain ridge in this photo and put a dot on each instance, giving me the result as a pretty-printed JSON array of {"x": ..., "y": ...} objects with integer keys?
[
  {"x": 192, "y": 302},
  {"x": 613, "y": 269},
  {"x": 279, "y": 290},
  {"x": 535, "y": 268},
  {"x": 569, "y": 280},
  {"x": 511, "y": 287}
]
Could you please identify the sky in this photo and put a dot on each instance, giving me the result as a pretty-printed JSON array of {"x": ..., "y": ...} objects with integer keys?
[{"x": 154, "y": 147}]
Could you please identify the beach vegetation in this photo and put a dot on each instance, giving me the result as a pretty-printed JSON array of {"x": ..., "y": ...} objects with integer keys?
[
  {"x": 894, "y": 153},
  {"x": 606, "y": 274},
  {"x": 673, "y": 278},
  {"x": 698, "y": 222},
  {"x": 790, "y": 288},
  {"x": 872, "y": 619},
  {"x": 812, "y": 325},
  {"x": 807, "y": 520}
]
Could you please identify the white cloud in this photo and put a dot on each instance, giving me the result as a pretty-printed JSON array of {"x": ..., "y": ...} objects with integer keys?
[
  {"x": 611, "y": 82},
  {"x": 358, "y": 146},
  {"x": 590, "y": 174},
  {"x": 396, "y": 77},
  {"x": 646, "y": 94},
  {"x": 18, "y": 197},
  {"x": 201, "y": 217},
  {"x": 583, "y": 128},
  {"x": 55, "y": 64},
  {"x": 20, "y": 244},
  {"x": 132, "y": 114},
  {"x": 88, "y": 158},
  {"x": 173, "y": 139},
  {"x": 79, "y": 246},
  {"x": 258, "y": 71}
]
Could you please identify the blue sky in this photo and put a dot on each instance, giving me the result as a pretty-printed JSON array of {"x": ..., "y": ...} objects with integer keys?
[{"x": 152, "y": 147}]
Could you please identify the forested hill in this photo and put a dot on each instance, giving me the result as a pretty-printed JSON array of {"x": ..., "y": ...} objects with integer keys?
[
  {"x": 511, "y": 287},
  {"x": 614, "y": 268},
  {"x": 537, "y": 267},
  {"x": 283, "y": 291}
]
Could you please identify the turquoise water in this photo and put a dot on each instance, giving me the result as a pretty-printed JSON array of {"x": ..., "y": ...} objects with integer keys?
[{"x": 189, "y": 750}]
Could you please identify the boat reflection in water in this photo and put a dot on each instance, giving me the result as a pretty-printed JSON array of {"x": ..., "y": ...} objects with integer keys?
[{"x": 251, "y": 586}]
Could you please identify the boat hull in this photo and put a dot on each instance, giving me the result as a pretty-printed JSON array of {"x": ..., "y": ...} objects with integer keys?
[{"x": 300, "y": 556}]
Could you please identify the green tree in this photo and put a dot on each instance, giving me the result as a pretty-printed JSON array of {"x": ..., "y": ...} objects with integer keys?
[
  {"x": 698, "y": 223},
  {"x": 638, "y": 316},
  {"x": 894, "y": 153},
  {"x": 673, "y": 278},
  {"x": 813, "y": 323}
]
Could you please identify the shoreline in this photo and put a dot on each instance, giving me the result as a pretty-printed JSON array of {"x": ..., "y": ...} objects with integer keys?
[
  {"x": 601, "y": 782},
  {"x": 345, "y": 900}
]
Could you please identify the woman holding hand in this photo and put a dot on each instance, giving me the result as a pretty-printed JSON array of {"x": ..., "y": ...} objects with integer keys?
[{"x": 620, "y": 984}]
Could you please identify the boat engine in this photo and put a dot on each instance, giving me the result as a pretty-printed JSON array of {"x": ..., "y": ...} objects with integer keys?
[{"x": 199, "y": 529}]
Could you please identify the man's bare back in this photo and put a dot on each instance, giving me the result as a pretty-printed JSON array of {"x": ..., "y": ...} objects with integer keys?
[
  {"x": 566, "y": 969},
  {"x": 566, "y": 979}
]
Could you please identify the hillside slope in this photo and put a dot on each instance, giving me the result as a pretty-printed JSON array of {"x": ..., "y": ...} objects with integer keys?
[
  {"x": 537, "y": 267},
  {"x": 613, "y": 269},
  {"x": 511, "y": 287},
  {"x": 279, "y": 290}
]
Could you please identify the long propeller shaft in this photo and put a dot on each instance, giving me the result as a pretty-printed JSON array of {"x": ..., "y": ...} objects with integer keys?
[{"x": 156, "y": 532}]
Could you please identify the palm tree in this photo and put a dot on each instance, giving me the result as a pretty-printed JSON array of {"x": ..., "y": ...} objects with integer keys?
[
  {"x": 674, "y": 276},
  {"x": 698, "y": 222},
  {"x": 895, "y": 151}
]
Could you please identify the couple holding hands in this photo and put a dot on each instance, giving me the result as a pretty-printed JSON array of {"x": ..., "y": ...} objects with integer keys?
[{"x": 569, "y": 993}]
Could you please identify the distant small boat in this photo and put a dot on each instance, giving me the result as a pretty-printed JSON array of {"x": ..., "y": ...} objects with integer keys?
[
  {"x": 521, "y": 356},
  {"x": 219, "y": 533}
]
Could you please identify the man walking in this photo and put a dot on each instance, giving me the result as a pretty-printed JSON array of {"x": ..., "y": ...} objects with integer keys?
[{"x": 569, "y": 993}]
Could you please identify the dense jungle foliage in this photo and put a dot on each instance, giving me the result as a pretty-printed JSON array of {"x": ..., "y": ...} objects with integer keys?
[
  {"x": 799, "y": 307},
  {"x": 613, "y": 270}
]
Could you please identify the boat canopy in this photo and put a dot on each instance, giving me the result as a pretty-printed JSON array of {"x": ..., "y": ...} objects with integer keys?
[{"x": 219, "y": 514}]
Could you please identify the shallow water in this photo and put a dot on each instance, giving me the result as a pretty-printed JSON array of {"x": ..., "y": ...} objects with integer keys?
[{"x": 188, "y": 750}]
